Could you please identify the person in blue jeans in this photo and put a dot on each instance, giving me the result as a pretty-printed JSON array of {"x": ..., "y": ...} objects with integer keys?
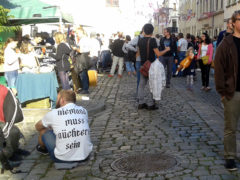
[
  {"x": 128, "y": 57},
  {"x": 64, "y": 132}
]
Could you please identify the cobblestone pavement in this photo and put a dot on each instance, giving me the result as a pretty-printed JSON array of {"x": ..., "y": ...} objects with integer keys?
[{"x": 188, "y": 126}]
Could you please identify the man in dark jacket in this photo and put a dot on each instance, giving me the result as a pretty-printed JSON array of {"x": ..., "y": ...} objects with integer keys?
[
  {"x": 227, "y": 80},
  {"x": 226, "y": 32},
  {"x": 118, "y": 55},
  {"x": 169, "y": 57}
]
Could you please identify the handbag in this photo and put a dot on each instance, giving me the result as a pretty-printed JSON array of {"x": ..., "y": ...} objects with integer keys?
[
  {"x": 144, "y": 70},
  {"x": 205, "y": 59}
]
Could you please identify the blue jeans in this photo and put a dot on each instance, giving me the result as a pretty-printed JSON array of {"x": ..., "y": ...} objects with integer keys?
[
  {"x": 49, "y": 140},
  {"x": 63, "y": 76},
  {"x": 106, "y": 58},
  {"x": 130, "y": 66},
  {"x": 138, "y": 65},
  {"x": 84, "y": 80},
  {"x": 11, "y": 77}
]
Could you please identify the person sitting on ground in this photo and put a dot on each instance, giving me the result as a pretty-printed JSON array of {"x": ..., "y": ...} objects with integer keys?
[
  {"x": 64, "y": 132},
  {"x": 10, "y": 113}
]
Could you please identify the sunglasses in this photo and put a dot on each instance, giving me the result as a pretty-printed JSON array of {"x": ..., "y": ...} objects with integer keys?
[{"x": 237, "y": 19}]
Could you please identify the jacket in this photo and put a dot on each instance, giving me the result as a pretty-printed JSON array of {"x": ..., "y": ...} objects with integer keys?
[
  {"x": 209, "y": 52},
  {"x": 173, "y": 48},
  {"x": 226, "y": 67},
  {"x": 62, "y": 55},
  {"x": 116, "y": 48}
]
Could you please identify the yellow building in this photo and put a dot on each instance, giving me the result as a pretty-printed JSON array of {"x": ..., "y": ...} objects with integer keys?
[{"x": 210, "y": 15}]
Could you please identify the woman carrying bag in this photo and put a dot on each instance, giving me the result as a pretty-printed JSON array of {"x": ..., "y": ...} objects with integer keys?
[{"x": 205, "y": 53}]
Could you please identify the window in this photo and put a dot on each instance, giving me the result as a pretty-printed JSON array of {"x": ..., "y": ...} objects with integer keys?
[
  {"x": 207, "y": 10},
  {"x": 112, "y": 3},
  {"x": 221, "y": 4},
  {"x": 174, "y": 23},
  {"x": 216, "y": 5}
]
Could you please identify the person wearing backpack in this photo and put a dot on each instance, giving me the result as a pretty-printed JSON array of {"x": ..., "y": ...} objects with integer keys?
[
  {"x": 118, "y": 55},
  {"x": 129, "y": 57}
]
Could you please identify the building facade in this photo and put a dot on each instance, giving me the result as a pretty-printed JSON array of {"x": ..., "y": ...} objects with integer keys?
[
  {"x": 198, "y": 16},
  {"x": 166, "y": 16}
]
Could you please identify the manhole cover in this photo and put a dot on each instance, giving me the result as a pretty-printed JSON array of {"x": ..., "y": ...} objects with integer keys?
[{"x": 144, "y": 163}]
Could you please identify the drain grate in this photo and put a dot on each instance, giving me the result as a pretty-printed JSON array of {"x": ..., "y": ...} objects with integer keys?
[{"x": 144, "y": 163}]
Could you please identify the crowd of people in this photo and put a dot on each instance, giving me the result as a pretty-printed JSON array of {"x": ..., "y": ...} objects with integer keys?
[{"x": 64, "y": 132}]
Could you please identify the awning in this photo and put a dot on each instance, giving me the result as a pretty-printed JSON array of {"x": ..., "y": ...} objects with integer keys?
[{"x": 34, "y": 12}]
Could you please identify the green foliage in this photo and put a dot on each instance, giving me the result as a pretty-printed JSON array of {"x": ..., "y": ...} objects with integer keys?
[
  {"x": 4, "y": 23},
  {"x": 1, "y": 52}
]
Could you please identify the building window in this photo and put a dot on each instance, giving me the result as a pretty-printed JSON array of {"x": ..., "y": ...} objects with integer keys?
[
  {"x": 216, "y": 5},
  {"x": 112, "y": 3},
  {"x": 174, "y": 23},
  {"x": 221, "y": 4}
]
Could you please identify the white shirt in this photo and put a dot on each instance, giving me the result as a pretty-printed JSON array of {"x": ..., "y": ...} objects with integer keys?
[
  {"x": 10, "y": 60},
  {"x": 84, "y": 44},
  {"x": 29, "y": 60},
  {"x": 204, "y": 49},
  {"x": 182, "y": 43},
  {"x": 70, "y": 125},
  {"x": 95, "y": 47}
]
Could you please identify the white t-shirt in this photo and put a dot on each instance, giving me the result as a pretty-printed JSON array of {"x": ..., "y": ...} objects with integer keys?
[
  {"x": 204, "y": 49},
  {"x": 70, "y": 125},
  {"x": 29, "y": 60},
  {"x": 182, "y": 43},
  {"x": 10, "y": 60}
]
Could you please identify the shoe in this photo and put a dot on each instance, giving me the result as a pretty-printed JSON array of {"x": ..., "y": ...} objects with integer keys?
[
  {"x": 167, "y": 85},
  {"x": 202, "y": 88},
  {"x": 119, "y": 76},
  {"x": 22, "y": 152},
  {"x": 208, "y": 88},
  {"x": 110, "y": 75},
  {"x": 83, "y": 92},
  {"x": 153, "y": 107},
  {"x": 143, "y": 106},
  {"x": 41, "y": 150},
  {"x": 230, "y": 165}
]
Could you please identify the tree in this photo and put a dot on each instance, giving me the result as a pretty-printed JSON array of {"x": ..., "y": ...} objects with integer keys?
[{"x": 4, "y": 21}]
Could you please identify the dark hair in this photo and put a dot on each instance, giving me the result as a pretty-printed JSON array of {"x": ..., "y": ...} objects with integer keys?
[
  {"x": 148, "y": 29},
  {"x": 207, "y": 39},
  {"x": 188, "y": 36},
  {"x": 192, "y": 38},
  {"x": 157, "y": 36},
  {"x": 168, "y": 30},
  {"x": 180, "y": 35},
  {"x": 234, "y": 16},
  {"x": 128, "y": 38}
]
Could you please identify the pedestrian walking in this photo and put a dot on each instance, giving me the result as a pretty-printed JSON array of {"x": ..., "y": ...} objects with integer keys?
[
  {"x": 226, "y": 32},
  {"x": 169, "y": 57},
  {"x": 205, "y": 53},
  {"x": 147, "y": 49},
  {"x": 227, "y": 81},
  {"x": 129, "y": 57},
  {"x": 118, "y": 55},
  {"x": 182, "y": 49}
]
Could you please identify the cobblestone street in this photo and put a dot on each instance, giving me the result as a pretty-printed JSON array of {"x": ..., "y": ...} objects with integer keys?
[{"x": 188, "y": 126}]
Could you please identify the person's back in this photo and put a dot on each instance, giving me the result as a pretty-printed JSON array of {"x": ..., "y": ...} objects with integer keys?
[
  {"x": 117, "y": 48},
  {"x": 70, "y": 125},
  {"x": 64, "y": 131}
]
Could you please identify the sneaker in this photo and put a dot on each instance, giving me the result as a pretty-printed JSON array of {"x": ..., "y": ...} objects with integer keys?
[
  {"x": 153, "y": 107},
  {"x": 230, "y": 165},
  {"x": 110, "y": 75},
  {"x": 83, "y": 92},
  {"x": 119, "y": 76},
  {"x": 208, "y": 88},
  {"x": 41, "y": 150},
  {"x": 143, "y": 106}
]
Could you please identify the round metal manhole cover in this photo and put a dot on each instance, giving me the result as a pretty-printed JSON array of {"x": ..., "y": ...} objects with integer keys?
[{"x": 144, "y": 163}]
